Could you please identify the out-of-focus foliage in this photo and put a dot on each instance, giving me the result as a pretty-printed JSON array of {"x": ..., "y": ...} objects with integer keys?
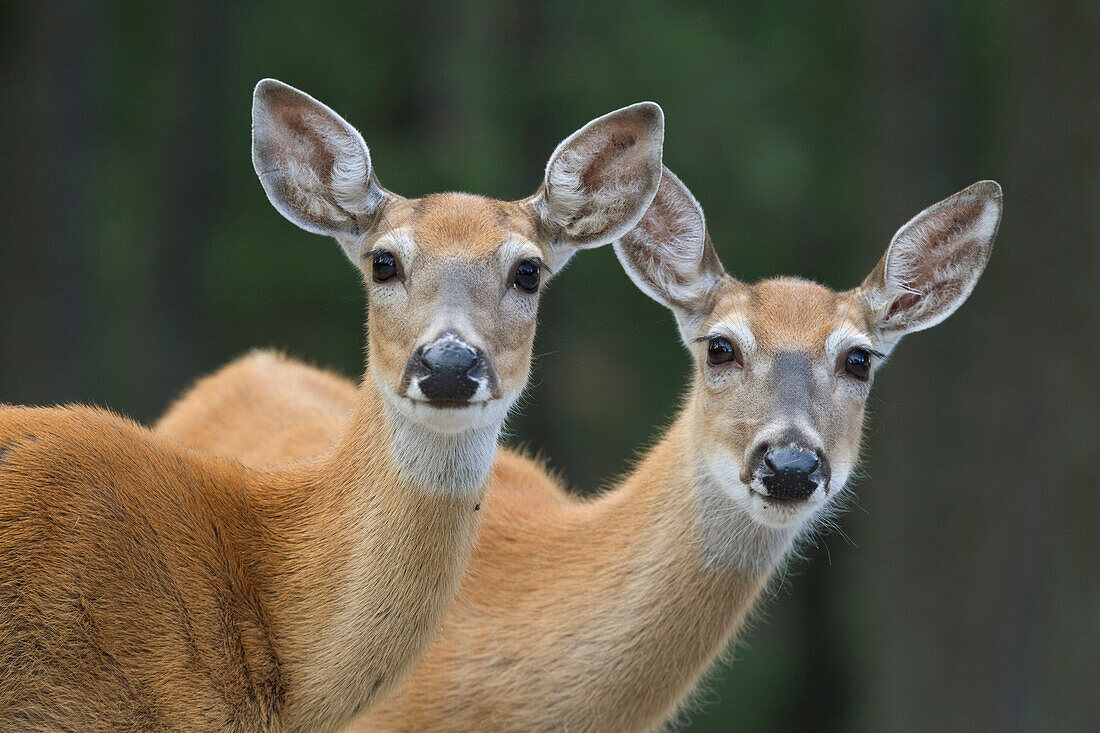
[{"x": 137, "y": 251}]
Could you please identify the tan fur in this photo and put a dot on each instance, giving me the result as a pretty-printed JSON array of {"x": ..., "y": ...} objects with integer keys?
[
  {"x": 574, "y": 614},
  {"x": 473, "y": 226},
  {"x": 577, "y": 615},
  {"x": 214, "y": 405},
  {"x": 145, "y": 585},
  {"x": 595, "y": 614}
]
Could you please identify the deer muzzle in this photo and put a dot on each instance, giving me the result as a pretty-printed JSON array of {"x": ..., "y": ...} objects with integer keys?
[{"x": 449, "y": 372}]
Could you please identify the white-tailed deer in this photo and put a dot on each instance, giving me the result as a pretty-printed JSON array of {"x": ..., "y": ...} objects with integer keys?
[
  {"x": 604, "y": 614},
  {"x": 147, "y": 586}
]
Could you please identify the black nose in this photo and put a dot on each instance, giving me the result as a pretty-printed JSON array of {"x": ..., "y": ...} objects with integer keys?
[
  {"x": 451, "y": 370},
  {"x": 791, "y": 473}
]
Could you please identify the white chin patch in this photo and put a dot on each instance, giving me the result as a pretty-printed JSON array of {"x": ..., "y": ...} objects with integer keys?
[
  {"x": 780, "y": 514},
  {"x": 444, "y": 450},
  {"x": 741, "y": 529},
  {"x": 452, "y": 420},
  {"x": 726, "y": 473},
  {"x": 482, "y": 412}
]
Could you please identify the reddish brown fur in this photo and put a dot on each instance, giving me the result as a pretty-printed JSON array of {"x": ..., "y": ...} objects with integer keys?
[
  {"x": 462, "y": 223},
  {"x": 604, "y": 614},
  {"x": 551, "y": 575},
  {"x": 290, "y": 539},
  {"x": 305, "y": 522},
  {"x": 185, "y": 616},
  {"x": 141, "y": 578},
  {"x": 144, "y": 585}
]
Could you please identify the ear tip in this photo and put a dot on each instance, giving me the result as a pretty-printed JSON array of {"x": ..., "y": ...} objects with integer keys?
[
  {"x": 648, "y": 113},
  {"x": 652, "y": 109},
  {"x": 987, "y": 189},
  {"x": 270, "y": 89},
  {"x": 269, "y": 85}
]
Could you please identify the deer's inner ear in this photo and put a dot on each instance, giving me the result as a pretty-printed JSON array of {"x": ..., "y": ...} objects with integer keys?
[
  {"x": 669, "y": 256},
  {"x": 314, "y": 166},
  {"x": 600, "y": 180},
  {"x": 934, "y": 261}
]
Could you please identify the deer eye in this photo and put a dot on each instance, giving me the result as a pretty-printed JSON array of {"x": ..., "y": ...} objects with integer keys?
[
  {"x": 857, "y": 363},
  {"x": 720, "y": 350},
  {"x": 527, "y": 276},
  {"x": 384, "y": 267}
]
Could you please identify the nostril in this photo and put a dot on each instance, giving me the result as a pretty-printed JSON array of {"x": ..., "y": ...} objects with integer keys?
[
  {"x": 792, "y": 473},
  {"x": 480, "y": 366},
  {"x": 758, "y": 454}
]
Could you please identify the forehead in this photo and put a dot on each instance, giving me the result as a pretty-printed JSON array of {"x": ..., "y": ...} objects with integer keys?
[
  {"x": 789, "y": 313},
  {"x": 461, "y": 223}
]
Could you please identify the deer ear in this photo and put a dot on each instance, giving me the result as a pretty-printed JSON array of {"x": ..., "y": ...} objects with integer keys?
[
  {"x": 669, "y": 256},
  {"x": 601, "y": 178},
  {"x": 934, "y": 262},
  {"x": 314, "y": 166}
]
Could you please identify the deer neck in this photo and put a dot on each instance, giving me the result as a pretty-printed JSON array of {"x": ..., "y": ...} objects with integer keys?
[
  {"x": 373, "y": 539},
  {"x": 637, "y": 594},
  {"x": 455, "y": 464},
  {"x": 617, "y": 605},
  {"x": 703, "y": 561}
]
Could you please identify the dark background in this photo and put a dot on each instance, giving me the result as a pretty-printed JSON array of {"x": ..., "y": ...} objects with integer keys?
[{"x": 137, "y": 251}]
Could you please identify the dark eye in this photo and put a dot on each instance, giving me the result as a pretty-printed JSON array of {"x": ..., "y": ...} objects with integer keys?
[
  {"x": 858, "y": 363},
  {"x": 721, "y": 351},
  {"x": 384, "y": 268},
  {"x": 527, "y": 276}
]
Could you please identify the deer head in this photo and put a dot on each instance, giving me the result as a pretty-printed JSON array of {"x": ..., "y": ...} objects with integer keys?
[
  {"x": 784, "y": 366},
  {"x": 453, "y": 280}
]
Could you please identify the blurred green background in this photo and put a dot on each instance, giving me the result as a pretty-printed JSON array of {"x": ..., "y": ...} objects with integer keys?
[{"x": 137, "y": 251}]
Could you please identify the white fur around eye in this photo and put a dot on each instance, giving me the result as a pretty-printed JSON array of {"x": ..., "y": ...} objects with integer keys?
[
  {"x": 521, "y": 304},
  {"x": 844, "y": 338},
  {"x": 392, "y": 292},
  {"x": 514, "y": 251},
  {"x": 741, "y": 336},
  {"x": 388, "y": 294},
  {"x": 837, "y": 345}
]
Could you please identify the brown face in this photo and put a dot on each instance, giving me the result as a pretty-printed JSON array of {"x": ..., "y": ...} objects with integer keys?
[
  {"x": 783, "y": 370},
  {"x": 453, "y": 280},
  {"x": 453, "y": 287},
  {"x": 784, "y": 367}
]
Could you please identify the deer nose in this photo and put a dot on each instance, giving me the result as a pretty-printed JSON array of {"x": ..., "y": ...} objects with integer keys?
[
  {"x": 450, "y": 369},
  {"x": 791, "y": 473}
]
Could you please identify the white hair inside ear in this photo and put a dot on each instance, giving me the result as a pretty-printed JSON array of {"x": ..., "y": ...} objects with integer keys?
[
  {"x": 314, "y": 166},
  {"x": 668, "y": 255},
  {"x": 934, "y": 261},
  {"x": 600, "y": 179}
]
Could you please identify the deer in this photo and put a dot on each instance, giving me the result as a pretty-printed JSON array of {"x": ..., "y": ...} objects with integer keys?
[
  {"x": 149, "y": 585},
  {"x": 605, "y": 613}
]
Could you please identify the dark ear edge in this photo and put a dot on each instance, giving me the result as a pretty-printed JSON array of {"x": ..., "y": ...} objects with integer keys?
[
  {"x": 314, "y": 166},
  {"x": 600, "y": 180},
  {"x": 934, "y": 261},
  {"x": 669, "y": 255}
]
